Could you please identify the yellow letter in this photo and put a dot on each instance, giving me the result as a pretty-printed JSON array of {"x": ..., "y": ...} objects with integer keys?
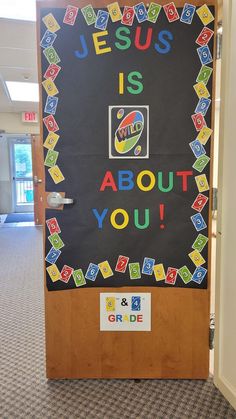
[
  {"x": 113, "y": 218},
  {"x": 152, "y": 180},
  {"x": 98, "y": 44}
]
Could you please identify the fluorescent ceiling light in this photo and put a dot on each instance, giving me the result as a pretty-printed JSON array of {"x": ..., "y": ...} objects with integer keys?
[
  {"x": 23, "y": 92},
  {"x": 18, "y": 9}
]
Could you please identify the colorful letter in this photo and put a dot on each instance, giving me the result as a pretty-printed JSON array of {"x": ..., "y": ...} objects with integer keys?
[
  {"x": 99, "y": 217},
  {"x": 98, "y": 44},
  {"x": 131, "y": 79},
  {"x": 152, "y": 180},
  {"x": 146, "y": 219},
  {"x": 161, "y": 37},
  {"x": 148, "y": 39},
  {"x": 160, "y": 182},
  {"x": 125, "y": 180},
  {"x": 126, "y": 39},
  {"x": 84, "y": 52},
  {"x": 185, "y": 175},
  {"x": 113, "y": 218},
  {"x": 108, "y": 181}
]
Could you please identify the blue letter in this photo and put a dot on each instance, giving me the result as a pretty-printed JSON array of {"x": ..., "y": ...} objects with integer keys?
[
  {"x": 161, "y": 37},
  {"x": 125, "y": 176},
  {"x": 101, "y": 217},
  {"x": 84, "y": 52}
]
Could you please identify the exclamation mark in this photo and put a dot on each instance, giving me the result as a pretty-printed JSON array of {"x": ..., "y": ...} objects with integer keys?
[{"x": 162, "y": 210}]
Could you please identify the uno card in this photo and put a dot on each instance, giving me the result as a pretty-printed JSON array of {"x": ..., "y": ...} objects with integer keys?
[
  {"x": 171, "y": 276},
  {"x": 114, "y": 11},
  {"x": 200, "y": 202},
  {"x": 199, "y": 274},
  {"x": 48, "y": 39},
  {"x": 50, "y": 123},
  {"x": 171, "y": 12},
  {"x": 153, "y": 12},
  {"x": 204, "y": 74},
  {"x": 204, "y": 54},
  {"x": 135, "y": 303},
  {"x": 203, "y": 106},
  {"x": 199, "y": 121},
  {"x": 110, "y": 304},
  {"x": 79, "y": 278},
  {"x": 51, "y": 158},
  {"x": 105, "y": 269},
  {"x": 51, "y": 105},
  {"x": 51, "y": 55},
  {"x": 197, "y": 148},
  {"x": 187, "y": 13},
  {"x": 66, "y": 273},
  {"x": 205, "y": 15},
  {"x": 141, "y": 12},
  {"x": 148, "y": 265},
  {"x": 205, "y": 36},
  {"x": 159, "y": 272},
  {"x": 51, "y": 23},
  {"x": 102, "y": 20},
  {"x": 121, "y": 264},
  {"x": 50, "y": 87},
  {"x": 201, "y": 90},
  {"x": 56, "y": 241},
  {"x": 56, "y": 174},
  {"x": 198, "y": 222},
  {"x": 128, "y": 16},
  {"x": 202, "y": 183},
  {"x": 196, "y": 258},
  {"x": 92, "y": 272},
  {"x": 53, "y": 225},
  {"x": 70, "y": 15},
  {"x": 185, "y": 274},
  {"x": 201, "y": 163},
  {"x": 89, "y": 14},
  {"x": 53, "y": 272},
  {"x": 200, "y": 242},
  {"x": 52, "y": 71},
  {"x": 51, "y": 140},
  {"x": 134, "y": 270},
  {"x": 204, "y": 135},
  {"x": 52, "y": 255}
]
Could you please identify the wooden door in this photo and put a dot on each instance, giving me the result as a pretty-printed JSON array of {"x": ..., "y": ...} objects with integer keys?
[
  {"x": 178, "y": 344},
  {"x": 38, "y": 179}
]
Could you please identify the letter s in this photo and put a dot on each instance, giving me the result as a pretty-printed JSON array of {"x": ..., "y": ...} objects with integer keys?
[{"x": 162, "y": 37}]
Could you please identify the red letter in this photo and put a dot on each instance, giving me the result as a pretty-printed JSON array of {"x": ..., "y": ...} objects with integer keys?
[
  {"x": 139, "y": 318},
  {"x": 185, "y": 179},
  {"x": 108, "y": 181},
  {"x": 148, "y": 39},
  {"x": 111, "y": 318}
]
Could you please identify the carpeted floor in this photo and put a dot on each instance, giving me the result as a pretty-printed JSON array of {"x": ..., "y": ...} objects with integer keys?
[
  {"x": 19, "y": 217},
  {"x": 24, "y": 391}
]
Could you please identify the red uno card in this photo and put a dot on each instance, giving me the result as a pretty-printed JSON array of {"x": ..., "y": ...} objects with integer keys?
[
  {"x": 66, "y": 273},
  {"x": 205, "y": 36},
  {"x": 200, "y": 202},
  {"x": 52, "y": 72},
  {"x": 50, "y": 123},
  {"x": 53, "y": 225},
  {"x": 70, "y": 15},
  {"x": 199, "y": 121},
  {"x": 128, "y": 16},
  {"x": 171, "y": 276},
  {"x": 121, "y": 264},
  {"x": 171, "y": 12}
]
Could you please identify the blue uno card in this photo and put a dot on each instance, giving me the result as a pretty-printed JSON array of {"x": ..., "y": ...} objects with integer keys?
[
  {"x": 135, "y": 303},
  {"x": 203, "y": 105},
  {"x": 53, "y": 255},
  {"x": 198, "y": 222},
  {"x": 199, "y": 274},
  {"x": 148, "y": 264},
  {"x": 92, "y": 272},
  {"x": 197, "y": 148},
  {"x": 141, "y": 12},
  {"x": 48, "y": 39},
  {"x": 187, "y": 13},
  {"x": 204, "y": 54},
  {"x": 101, "y": 20},
  {"x": 51, "y": 105}
]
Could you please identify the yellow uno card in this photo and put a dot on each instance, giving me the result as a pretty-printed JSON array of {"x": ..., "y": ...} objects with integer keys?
[
  {"x": 51, "y": 23},
  {"x": 105, "y": 269},
  {"x": 202, "y": 183},
  {"x": 204, "y": 135},
  {"x": 51, "y": 140},
  {"x": 114, "y": 11},
  {"x": 201, "y": 90},
  {"x": 159, "y": 272},
  {"x": 54, "y": 273},
  {"x": 197, "y": 258},
  {"x": 110, "y": 304},
  {"x": 205, "y": 15},
  {"x": 56, "y": 174},
  {"x": 50, "y": 87}
]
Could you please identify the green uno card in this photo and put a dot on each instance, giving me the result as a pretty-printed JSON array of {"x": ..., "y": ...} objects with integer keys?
[
  {"x": 56, "y": 241},
  {"x": 79, "y": 278},
  {"x": 204, "y": 74},
  {"x": 200, "y": 242},
  {"x": 51, "y": 158},
  {"x": 89, "y": 14},
  {"x": 185, "y": 274},
  {"x": 51, "y": 55},
  {"x": 134, "y": 270},
  {"x": 201, "y": 163},
  {"x": 153, "y": 12}
]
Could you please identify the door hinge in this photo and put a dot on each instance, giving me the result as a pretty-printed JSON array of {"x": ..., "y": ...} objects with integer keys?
[
  {"x": 212, "y": 331},
  {"x": 214, "y": 199}
]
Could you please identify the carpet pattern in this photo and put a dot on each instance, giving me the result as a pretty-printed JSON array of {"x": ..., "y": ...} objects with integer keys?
[{"x": 24, "y": 391}]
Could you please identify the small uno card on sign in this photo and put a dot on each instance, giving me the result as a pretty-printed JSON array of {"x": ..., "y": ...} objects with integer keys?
[
  {"x": 199, "y": 274},
  {"x": 56, "y": 174},
  {"x": 92, "y": 272},
  {"x": 204, "y": 54},
  {"x": 51, "y": 105},
  {"x": 79, "y": 278},
  {"x": 50, "y": 87},
  {"x": 51, "y": 23},
  {"x": 53, "y": 272},
  {"x": 204, "y": 135},
  {"x": 185, "y": 274},
  {"x": 110, "y": 304},
  {"x": 205, "y": 15},
  {"x": 200, "y": 242},
  {"x": 198, "y": 222},
  {"x": 171, "y": 276},
  {"x": 187, "y": 13},
  {"x": 171, "y": 12},
  {"x": 199, "y": 121},
  {"x": 70, "y": 15},
  {"x": 51, "y": 55},
  {"x": 51, "y": 158},
  {"x": 50, "y": 123},
  {"x": 200, "y": 202},
  {"x": 159, "y": 272},
  {"x": 114, "y": 11},
  {"x": 134, "y": 270},
  {"x": 201, "y": 90},
  {"x": 148, "y": 265},
  {"x": 102, "y": 20},
  {"x": 53, "y": 225},
  {"x": 196, "y": 258},
  {"x": 203, "y": 105},
  {"x": 52, "y": 255},
  {"x": 89, "y": 14},
  {"x": 121, "y": 264},
  {"x": 52, "y": 71},
  {"x": 197, "y": 148},
  {"x": 105, "y": 269},
  {"x": 56, "y": 241},
  {"x": 153, "y": 12},
  {"x": 201, "y": 163},
  {"x": 204, "y": 74},
  {"x": 202, "y": 183},
  {"x": 51, "y": 140},
  {"x": 141, "y": 12},
  {"x": 128, "y": 16},
  {"x": 135, "y": 303},
  {"x": 48, "y": 39},
  {"x": 205, "y": 36},
  {"x": 66, "y": 273}
]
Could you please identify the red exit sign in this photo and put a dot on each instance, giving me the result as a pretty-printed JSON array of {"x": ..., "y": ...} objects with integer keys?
[{"x": 29, "y": 117}]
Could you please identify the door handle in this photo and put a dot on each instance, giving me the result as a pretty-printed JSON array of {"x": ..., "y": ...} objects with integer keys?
[
  {"x": 55, "y": 200},
  {"x": 36, "y": 180}
]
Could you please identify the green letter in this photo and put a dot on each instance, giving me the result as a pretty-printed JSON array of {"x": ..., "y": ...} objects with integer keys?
[
  {"x": 160, "y": 182},
  {"x": 131, "y": 79},
  {"x": 136, "y": 219},
  {"x": 124, "y": 38}
]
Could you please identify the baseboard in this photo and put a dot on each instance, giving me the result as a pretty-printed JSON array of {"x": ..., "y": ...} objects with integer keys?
[{"x": 226, "y": 389}]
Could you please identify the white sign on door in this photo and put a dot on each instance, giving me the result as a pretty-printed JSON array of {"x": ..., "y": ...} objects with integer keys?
[{"x": 125, "y": 311}]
